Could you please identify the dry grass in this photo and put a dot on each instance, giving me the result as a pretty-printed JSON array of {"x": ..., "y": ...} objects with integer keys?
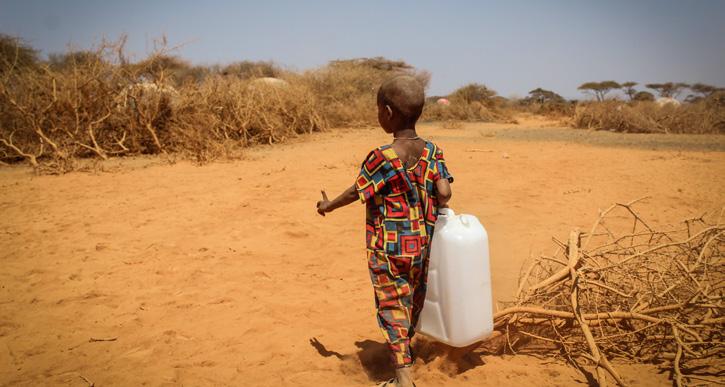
[
  {"x": 104, "y": 107},
  {"x": 473, "y": 103},
  {"x": 706, "y": 116},
  {"x": 347, "y": 89},
  {"x": 96, "y": 104},
  {"x": 474, "y": 111}
]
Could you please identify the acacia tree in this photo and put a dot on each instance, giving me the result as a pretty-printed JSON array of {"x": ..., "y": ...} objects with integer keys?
[
  {"x": 669, "y": 89},
  {"x": 629, "y": 89},
  {"x": 543, "y": 96},
  {"x": 704, "y": 90},
  {"x": 599, "y": 89},
  {"x": 701, "y": 91}
]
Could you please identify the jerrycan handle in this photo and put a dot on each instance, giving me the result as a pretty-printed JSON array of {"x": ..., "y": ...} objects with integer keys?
[{"x": 447, "y": 212}]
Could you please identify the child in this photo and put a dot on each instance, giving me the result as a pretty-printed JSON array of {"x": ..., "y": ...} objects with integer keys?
[{"x": 402, "y": 185}]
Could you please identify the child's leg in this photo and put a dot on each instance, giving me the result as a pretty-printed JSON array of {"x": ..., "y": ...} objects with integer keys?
[
  {"x": 419, "y": 283},
  {"x": 393, "y": 298}
]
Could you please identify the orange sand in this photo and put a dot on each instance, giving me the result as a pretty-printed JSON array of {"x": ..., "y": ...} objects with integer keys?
[{"x": 225, "y": 275}]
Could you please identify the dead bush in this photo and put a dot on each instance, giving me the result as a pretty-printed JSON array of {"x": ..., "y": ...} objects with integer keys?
[
  {"x": 705, "y": 116},
  {"x": 102, "y": 106},
  {"x": 473, "y": 102},
  {"x": 626, "y": 290},
  {"x": 347, "y": 89}
]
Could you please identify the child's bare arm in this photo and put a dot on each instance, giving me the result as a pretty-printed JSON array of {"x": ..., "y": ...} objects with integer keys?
[
  {"x": 443, "y": 192},
  {"x": 325, "y": 205}
]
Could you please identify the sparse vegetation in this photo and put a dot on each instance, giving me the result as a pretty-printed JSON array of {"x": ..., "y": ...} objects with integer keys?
[
  {"x": 706, "y": 116},
  {"x": 96, "y": 103},
  {"x": 347, "y": 89},
  {"x": 547, "y": 103},
  {"x": 472, "y": 102},
  {"x": 669, "y": 89}
]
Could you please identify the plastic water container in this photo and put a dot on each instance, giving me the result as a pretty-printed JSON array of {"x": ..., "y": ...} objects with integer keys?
[{"x": 458, "y": 308}]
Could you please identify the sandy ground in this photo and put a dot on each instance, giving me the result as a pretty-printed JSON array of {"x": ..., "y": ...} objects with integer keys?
[{"x": 225, "y": 275}]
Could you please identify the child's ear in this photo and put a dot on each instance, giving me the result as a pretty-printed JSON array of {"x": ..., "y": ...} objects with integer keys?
[{"x": 390, "y": 111}]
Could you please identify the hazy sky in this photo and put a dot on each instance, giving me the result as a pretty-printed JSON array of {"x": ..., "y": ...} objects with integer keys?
[{"x": 511, "y": 46}]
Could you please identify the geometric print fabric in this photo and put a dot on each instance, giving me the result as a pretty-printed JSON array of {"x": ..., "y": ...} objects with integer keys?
[{"x": 401, "y": 210}]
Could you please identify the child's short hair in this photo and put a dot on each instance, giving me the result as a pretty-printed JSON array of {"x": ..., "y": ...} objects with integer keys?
[{"x": 405, "y": 95}]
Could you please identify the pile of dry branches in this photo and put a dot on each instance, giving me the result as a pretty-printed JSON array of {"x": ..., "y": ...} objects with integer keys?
[{"x": 642, "y": 295}]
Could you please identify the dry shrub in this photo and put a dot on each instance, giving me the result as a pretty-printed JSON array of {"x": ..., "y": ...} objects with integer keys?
[
  {"x": 59, "y": 115},
  {"x": 246, "y": 112},
  {"x": 472, "y": 102},
  {"x": 461, "y": 111},
  {"x": 625, "y": 290},
  {"x": 347, "y": 89},
  {"x": 452, "y": 124},
  {"x": 706, "y": 116},
  {"x": 102, "y": 106},
  {"x": 555, "y": 110}
]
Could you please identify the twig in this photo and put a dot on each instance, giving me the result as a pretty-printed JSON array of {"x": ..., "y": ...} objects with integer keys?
[
  {"x": 678, "y": 357},
  {"x": 90, "y": 383},
  {"x": 93, "y": 339}
]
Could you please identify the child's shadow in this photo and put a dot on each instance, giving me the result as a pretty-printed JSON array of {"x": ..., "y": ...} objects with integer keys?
[
  {"x": 375, "y": 359},
  {"x": 453, "y": 361}
]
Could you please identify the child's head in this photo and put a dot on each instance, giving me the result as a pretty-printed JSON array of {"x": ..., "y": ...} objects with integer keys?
[{"x": 400, "y": 103}]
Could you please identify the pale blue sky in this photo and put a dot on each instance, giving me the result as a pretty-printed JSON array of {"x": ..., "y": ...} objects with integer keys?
[{"x": 511, "y": 46}]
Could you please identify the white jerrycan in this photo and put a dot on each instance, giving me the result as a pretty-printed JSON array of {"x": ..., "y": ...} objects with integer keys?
[{"x": 458, "y": 307}]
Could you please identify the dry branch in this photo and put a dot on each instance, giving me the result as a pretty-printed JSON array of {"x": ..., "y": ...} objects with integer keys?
[
  {"x": 642, "y": 294},
  {"x": 102, "y": 106}
]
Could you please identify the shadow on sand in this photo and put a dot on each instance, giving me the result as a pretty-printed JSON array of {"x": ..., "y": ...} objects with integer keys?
[{"x": 374, "y": 357}]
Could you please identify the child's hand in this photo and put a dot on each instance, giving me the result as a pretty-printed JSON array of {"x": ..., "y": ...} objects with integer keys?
[{"x": 324, "y": 205}]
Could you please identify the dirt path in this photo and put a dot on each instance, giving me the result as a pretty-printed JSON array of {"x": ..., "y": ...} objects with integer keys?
[{"x": 225, "y": 275}]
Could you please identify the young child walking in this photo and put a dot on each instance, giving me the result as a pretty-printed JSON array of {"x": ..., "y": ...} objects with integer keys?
[{"x": 403, "y": 185}]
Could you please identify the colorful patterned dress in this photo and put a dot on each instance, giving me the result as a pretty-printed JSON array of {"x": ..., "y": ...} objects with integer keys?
[{"x": 402, "y": 209}]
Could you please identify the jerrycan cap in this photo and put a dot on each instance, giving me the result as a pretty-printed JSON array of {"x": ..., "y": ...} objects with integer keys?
[{"x": 447, "y": 212}]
